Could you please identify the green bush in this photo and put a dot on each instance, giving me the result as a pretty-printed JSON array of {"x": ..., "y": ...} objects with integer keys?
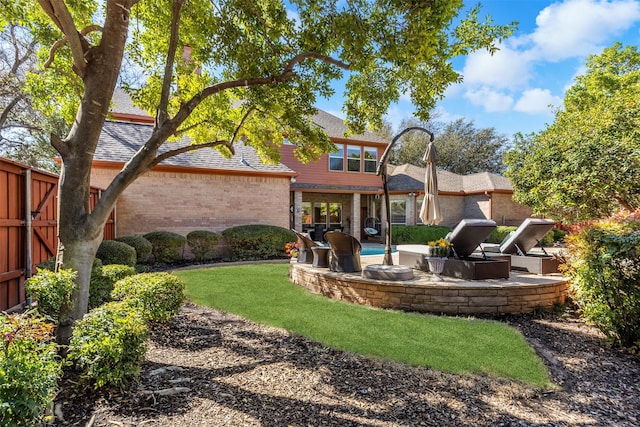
[
  {"x": 166, "y": 246},
  {"x": 29, "y": 369},
  {"x": 114, "y": 252},
  {"x": 499, "y": 233},
  {"x": 418, "y": 234},
  {"x": 102, "y": 283},
  {"x": 141, "y": 245},
  {"x": 49, "y": 264},
  {"x": 108, "y": 345},
  {"x": 604, "y": 265},
  {"x": 256, "y": 242},
  {"x": 204, "y": 244},
  {"x": 51, "y": 290},
  {"x": 157, "y": 295}
]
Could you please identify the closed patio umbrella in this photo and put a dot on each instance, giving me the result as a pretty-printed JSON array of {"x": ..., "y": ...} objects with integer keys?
[{"x": 430, "y": 211}]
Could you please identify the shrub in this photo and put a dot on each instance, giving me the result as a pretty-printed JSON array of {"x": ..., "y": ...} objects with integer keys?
[
  {"x": 114, "y": 252},
  {"x": 499, "y": 233},
  {"x": 166, "y": 246},
  {"x": 604, "y": 264},
  {"x": 141, "y": 245},
  {"x": 204, "y": 244},
  {"x": 49, "y": 264},
  {"x": 29, "y": 369},
  {"x": 108, "y": 345},
  {"x": 102, "y": 283},
  {"x": 256, "y": 242},
  {"x": 420, "y": 234},
  {"x": 158, "y": 295},
  {"x": 52, "y": 290}
]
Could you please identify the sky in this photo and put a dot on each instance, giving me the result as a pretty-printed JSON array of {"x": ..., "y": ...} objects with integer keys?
[{"x": 518, "y": 88}]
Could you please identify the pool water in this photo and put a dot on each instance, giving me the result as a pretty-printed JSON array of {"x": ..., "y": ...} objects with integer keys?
[{"x": 375, "y": 251}]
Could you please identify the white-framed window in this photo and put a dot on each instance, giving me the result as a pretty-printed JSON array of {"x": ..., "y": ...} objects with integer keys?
[
  {"x": 370, "y": 159},
  {"x": 354, "y": 158},
  {"x": 398, "y": 211},
  {"x": 336, "y": 160}
]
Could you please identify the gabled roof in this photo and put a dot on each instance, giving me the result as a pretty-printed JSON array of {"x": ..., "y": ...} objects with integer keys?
[
  {"x": 120, "y": 140},
  {"x": 408, "y": 177},
  {"x": 334, "y": 126}
]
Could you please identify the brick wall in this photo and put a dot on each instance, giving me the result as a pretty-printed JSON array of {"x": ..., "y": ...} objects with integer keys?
[
  {"x": 508, "y": 212},
  {"x": 183, "y": 202}
]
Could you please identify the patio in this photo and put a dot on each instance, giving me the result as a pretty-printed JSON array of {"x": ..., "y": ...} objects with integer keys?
[{"x": 520, "y": 293}]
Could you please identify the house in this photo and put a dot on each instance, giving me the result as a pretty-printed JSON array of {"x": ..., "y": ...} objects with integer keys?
[{"x": 202, "y": 189}]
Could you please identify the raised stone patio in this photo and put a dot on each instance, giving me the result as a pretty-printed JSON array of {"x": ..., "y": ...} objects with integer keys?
[{"x": 520, "y": 293}]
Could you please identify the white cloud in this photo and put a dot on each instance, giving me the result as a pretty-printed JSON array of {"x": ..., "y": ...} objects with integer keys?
[
  {"x": 578, "y": 27},
  {"x": 537, "y": 101},
  {"x": 490, "y": 100},
  {"x": 506, "y": 68}
]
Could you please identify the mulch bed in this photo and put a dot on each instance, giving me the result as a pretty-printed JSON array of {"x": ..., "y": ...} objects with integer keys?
[{"x": 210, "y": 368}]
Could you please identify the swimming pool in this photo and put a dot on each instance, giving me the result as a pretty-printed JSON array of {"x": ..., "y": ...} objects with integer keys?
[{"x": 375, "y": 251}]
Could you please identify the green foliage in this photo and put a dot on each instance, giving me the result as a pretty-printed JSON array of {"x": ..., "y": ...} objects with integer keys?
[
  {"x": 585, "y": 165},
  {"x": 52, "y": 290},
  {"x": 256, "y": 242},
  {"x": 158, "y": 296},
  {"x": 604, "y": 265},
  {"x": 204, "y": 244},
  {"x": 419, "y": 234},
  {"x": 102, "y": 282},
  {"x": 499, "y": 233},
  {"x": 29, "y": 369},
  {"x": 108, "y": 345},
  {"x": 166, "y": 246},
  {"x": 49, "y": 264},
  {"x": 116, "y": 252},
  {"x": 142, "y": 246}
]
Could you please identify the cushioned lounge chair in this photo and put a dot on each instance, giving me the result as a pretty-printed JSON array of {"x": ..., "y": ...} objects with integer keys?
[
  {"x": 468, "y": 235},
  {"x": 345, "y": 252},
  {"x": 523, "y": 239},
  {"x": 519, "y": 243},
  {"x": 305, "y": 254}
]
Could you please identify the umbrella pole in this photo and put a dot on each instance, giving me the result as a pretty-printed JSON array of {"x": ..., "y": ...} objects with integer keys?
[{"x": 388, "y": 259}]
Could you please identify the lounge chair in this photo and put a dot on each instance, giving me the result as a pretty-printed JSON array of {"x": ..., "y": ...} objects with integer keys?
[
  {"x": 345, "y": 252},
  {"x": 468, "y": 235},
  {"x": 519, "y": 243},
  {"x": 305, "y": 254}
]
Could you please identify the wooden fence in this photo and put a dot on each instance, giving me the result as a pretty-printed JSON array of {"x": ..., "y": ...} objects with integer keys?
[{"x": 28, "y": 226}]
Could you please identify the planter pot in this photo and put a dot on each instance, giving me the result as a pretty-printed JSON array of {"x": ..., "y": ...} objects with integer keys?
[{"x": 436, "y": 265}]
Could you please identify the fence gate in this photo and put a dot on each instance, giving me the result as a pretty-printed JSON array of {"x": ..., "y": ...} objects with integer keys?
[{"x": 28, "y": 226}]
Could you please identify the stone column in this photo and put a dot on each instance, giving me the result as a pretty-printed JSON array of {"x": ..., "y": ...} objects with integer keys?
[
  {"x": 297, "y": 210},
  {"x": 355, "y": 217}
]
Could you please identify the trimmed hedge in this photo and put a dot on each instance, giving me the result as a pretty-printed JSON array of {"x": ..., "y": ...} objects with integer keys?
[
  {"x": 52, "y": 291},
  {"x": 204, "y": 244},
  {"x": 141, "y": 245},
  {"x": 257, "y": 242},
  {"x": 499, "y": 233},
  {"x": 102, "y": 282},
  {"x": 115, "y": 252},
  {"x": 108, "y": 345},
  {"x": 166, "y": 246},
  {"x": 158, "y": 296},
  {"x": 417, "y": 234}
]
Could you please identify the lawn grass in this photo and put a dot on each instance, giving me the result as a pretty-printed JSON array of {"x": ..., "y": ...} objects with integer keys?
[{"x": 264, "y": 294}]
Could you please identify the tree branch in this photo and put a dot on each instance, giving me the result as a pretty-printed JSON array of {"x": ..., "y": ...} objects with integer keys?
[
  {"x": 177, "y": 151},
  {"x": 60, "y": 15},
  {"x": 162, "y": 114},
  {"x": 62, "y": 41}
]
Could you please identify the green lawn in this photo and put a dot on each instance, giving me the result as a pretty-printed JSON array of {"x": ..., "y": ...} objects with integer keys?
[{"x": 264, "y": 294}]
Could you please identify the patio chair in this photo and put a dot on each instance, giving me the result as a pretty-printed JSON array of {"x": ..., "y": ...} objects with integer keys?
[
  {"x": 468, "y": 235},
  {"x": 345, "y": 252},
  {"x": 519, "y": 243},
  {"x": 523, "y": 239},
  {"x": 305, "y": 254}
]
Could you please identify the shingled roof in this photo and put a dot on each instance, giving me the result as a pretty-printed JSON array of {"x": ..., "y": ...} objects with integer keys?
[
  {"x": 406, "y": 178},
  {"x": 120, "y": 140}
]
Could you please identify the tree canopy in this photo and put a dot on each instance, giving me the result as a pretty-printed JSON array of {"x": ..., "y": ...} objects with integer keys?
[
  {"x": 462, "y": 148},
  {"x": 221, "y": 71},
  {"x": 586, "y": 164}
]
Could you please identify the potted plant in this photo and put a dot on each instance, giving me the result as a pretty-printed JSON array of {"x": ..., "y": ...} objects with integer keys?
[{"x": 437, "y": 253}]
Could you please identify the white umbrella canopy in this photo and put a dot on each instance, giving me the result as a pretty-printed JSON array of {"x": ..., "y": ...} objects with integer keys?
[{"x": 430, "y": 211}]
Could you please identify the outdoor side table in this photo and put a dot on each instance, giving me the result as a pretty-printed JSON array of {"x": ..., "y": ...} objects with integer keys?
[{"x": 321, "y": 256}]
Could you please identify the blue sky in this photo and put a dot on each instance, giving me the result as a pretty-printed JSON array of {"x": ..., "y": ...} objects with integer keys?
[{"x": 512, "y": 90}]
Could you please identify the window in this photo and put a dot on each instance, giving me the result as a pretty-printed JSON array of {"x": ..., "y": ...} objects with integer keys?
[
  {"x": 320, "y": 213},
  {"x": 335, "y": 214},
  {"x": 398, "y": 211},
  {"x": 370, "y": 159},
  {"x": 336, "y": 160},
  {"x": 353, "y": 158},
  {"x": 306, "y": 213}
]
